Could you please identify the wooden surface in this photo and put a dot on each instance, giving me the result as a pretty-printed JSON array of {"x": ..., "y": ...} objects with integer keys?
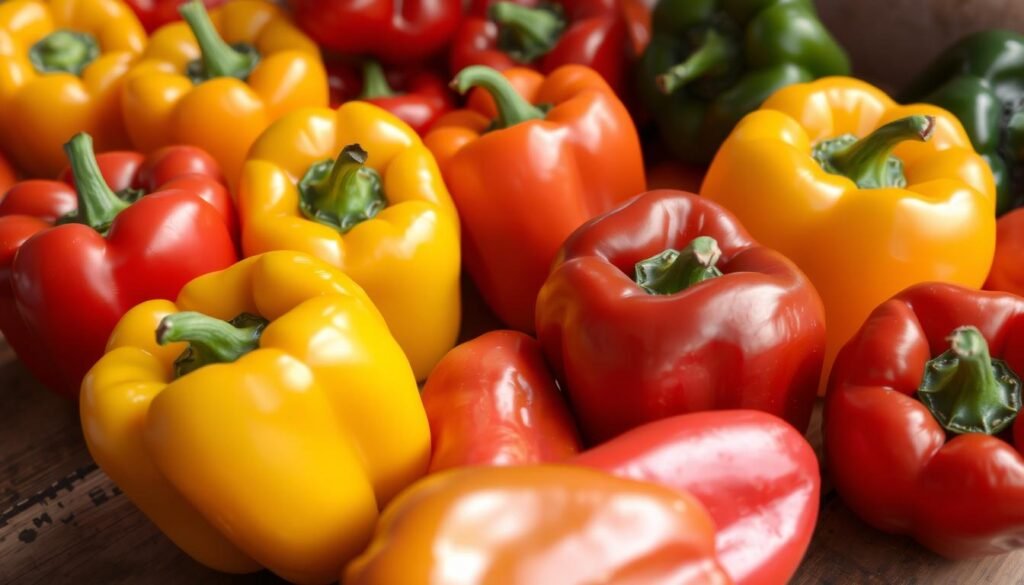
[{"x": 63, "y": 521}]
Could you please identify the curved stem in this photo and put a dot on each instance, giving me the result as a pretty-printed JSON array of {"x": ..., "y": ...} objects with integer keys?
[
  {"x": 64, "y": 51},
  {"x": 98, "y": 205},
  {"x": 868, "y": 162},
  {"x": 512, "y": 108},
  {"x": 344, "y": 192},
  {"x": 670, "y": 271},
  {"x": 219, "y": 59},
  {"x": 532, "y": 32},
  {"x": 714, "y": 53},
  {"x": 375, "y": 83},
  {"x": 211, "y": 341}
]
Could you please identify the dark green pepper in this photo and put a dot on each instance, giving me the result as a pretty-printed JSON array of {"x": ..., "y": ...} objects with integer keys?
[
  {"x": 711, "y": 62},
  {"x": 980, "y": 80}
]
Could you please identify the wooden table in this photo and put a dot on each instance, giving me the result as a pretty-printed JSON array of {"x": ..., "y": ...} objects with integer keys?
[{"x": 63, "y": 521}]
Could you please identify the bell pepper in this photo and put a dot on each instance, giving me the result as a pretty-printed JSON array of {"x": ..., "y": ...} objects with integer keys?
[
  {"x": 8, "y": 176},
  {"x": 920, "y": 427},
  {"x": 421, "y": 98},
  {"x": 396, "y": 32},
  {"x": 539, "y": 524},
  {"x": 544, "y": 36},
  {"x": 1007, "y": 272},
  {"x": 867, "y": 197},
  {"x": 155, "y": 13},
  {"x": 265, "y": 422},
  {"x": 356, "y": 188},
  {"x": 978, "y": 81},
  {"x": 710, "y": 63},
  {"x": 192, "y": 87},
  {"x": 492, "y": 401},
  {"x": 62, "y": 67},
  {"x": 528, "y": 166},
  {"x": 669, "y": 297},
  {"x": 73, "y": 261},
  {"x": 754, "y": 473}
]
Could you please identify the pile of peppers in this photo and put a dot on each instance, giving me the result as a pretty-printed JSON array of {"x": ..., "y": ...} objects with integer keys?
[{"x": 260, "y": 235}]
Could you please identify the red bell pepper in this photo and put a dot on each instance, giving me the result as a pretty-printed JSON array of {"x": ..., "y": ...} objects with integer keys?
[
  {"x": 63, "y": 287},
  {"x": 1007, "y": 272},
  {"x": 421, "y": 98},
  {"x": 492, "y": 401},
  {"x": 921, "y": 429},
  {"x": 394, "y": 31},
  {"x": 756, "y": 475},
  {"x": 7, "y": 174},
  {"x": 667, "y": 306},
  {"x": 155, "y": 13},
  {"x": 544, "y": 36}
]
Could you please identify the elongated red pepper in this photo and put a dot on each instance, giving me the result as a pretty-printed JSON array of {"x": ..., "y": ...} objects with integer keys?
[
  {"x": 544, "y": 36},
  {"x": 155, "y": 13},
  {"x": 136, "y": 228},
  {"x": 921, "y": 406}
]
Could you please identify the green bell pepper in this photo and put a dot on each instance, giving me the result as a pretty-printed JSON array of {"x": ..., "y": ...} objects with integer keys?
[
  {"x": 980, "y": 80},
  {"x": 711, "y": 62}
]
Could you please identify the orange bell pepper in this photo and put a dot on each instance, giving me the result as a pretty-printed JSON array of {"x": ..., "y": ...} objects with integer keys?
[
  {"x": 866, "y": 196},
  {"x": 192, "y": 87},
  {"x": 62, "y": 65},
  {"x": 528, "y": 162}
]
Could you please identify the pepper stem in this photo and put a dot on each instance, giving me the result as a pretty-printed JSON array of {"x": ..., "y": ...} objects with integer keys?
[
  {"x": 966, "y": 390},
  {"x": 342, "y": 193},
  {"x": 714, "y": 52},
  {"x": 672, "y": 271},
  {"x": 375, "y": 83},
  {"x": 211, "y": 341},
  {"x": 528, "y": 32},
  {"x": 512, "y": 108},
  {"x": 219, "y": 59},
  {"x": 868, "y": 162},
  {"x": 64, "y": 51},
  {"x": 98, "y": 205}
]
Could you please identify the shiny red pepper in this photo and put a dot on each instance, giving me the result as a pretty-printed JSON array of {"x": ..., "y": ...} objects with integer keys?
[
  {"x": 394, "y": 31},
  {"x": 139, "y": 228},
  {"x": 492, "y": 401},
  {"x": 1007, "y": 272},
  {"x": 667, "y": 306},
  {"x": 921, "y": 429},
  {"x": 544, "y": 36},
  {"x": 756, "y": 475},
  {"x": 155, "y": 13},
  {"x": 416, "y": 96}
]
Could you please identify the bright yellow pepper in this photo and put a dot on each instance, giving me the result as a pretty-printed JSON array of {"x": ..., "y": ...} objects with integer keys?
[
  {"x": 911, "y": 203},
  {"x": 62, "y": 65},
  {"x": 281, "y": 459},
  {"x": 379, "y": 211},
  {"x": 220, "y": 97}
]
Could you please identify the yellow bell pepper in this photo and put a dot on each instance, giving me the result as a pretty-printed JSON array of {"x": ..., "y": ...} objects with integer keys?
[
  {"x": 218, "y": 96},
  {"x": 379, "y": 211},
  {"x": 281, "y": 459},
  {"x": 62, "y": 65},
  {"x": 866, "y": 196}
]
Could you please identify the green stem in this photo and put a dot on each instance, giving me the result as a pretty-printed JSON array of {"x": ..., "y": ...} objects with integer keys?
[
  {"x": 868, "y": 162},
  {"x": 211, "y": 341},
  {"x": 529, "y": 33},
  {"x": 375, "y": 83},
  {"x": 343, "y": 192},
  {"x": 966, "y": 390},
  {"x": 98, "y": 205},
  {"x": 64, "y": 51},
  {"x": 672, "y": 271},
  {"x": 714, "y": 53},
  {"x": 219, "y": 59},
  {"x": 512, "y": 108}
]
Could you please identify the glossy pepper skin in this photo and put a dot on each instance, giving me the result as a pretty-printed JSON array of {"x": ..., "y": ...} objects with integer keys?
[
  {"x": 62, "y": 67},
  {"x": 155, "y": 13},
  {"x": 859, "y": 244},
  {"x": 402, "y": 249},
  {"x": 978, "y": 81},
  {"x": 752, "y": 338},
  {"x": 525, "y": 183},
  {"x": 415, "y": 96},
  {"x": 888, "y": 455},
  {"x": 754, "y": 473},
  {"x": 711, "y": 62},
  {"x": 492, "y": 401},
  {"x": 395, "y": 32},
  {"x": 580, "y": 32},
  {"x": 325, "y": 384},
  {"x": 1007, "y": 272},
  {"x": 65, "y": 286},
  {"x": 235, "y": 96},
  {"x": 559, "y": 524}
]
